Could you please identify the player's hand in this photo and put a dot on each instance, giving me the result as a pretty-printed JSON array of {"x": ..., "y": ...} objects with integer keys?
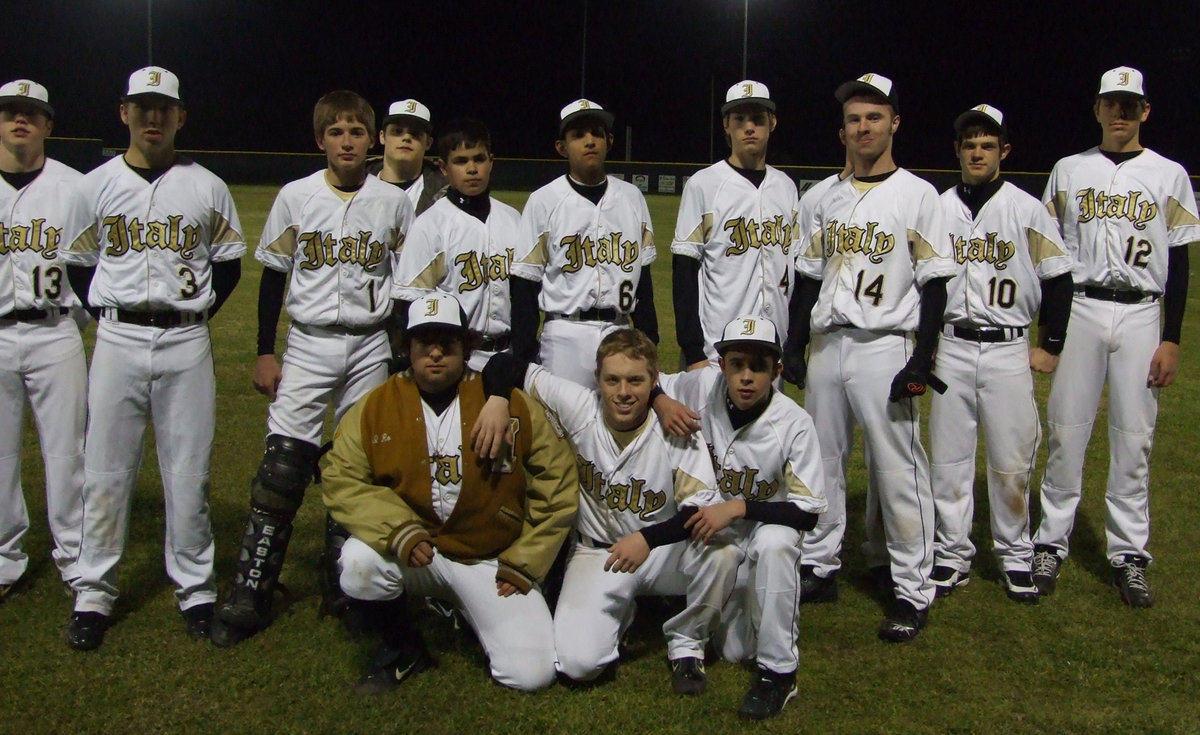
[
  {"x": 506, "y": 589},
  {"x": 492, "y": 429},
  {"x": 676, "y": 418},
  {"x": 267, "y": 375},
  {"x": 1041, "y": 361},
  {"x": 795, "y": 368},
  {"x": 698, "y": 365},
  {"x": 627, "y": 554},
  {"x": 711, "y": 519},
  {"x": 421, "y": 555},
  {"x": 1164, "y": 365}
]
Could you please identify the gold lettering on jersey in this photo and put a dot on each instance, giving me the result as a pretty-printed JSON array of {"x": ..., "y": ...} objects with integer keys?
[
  {"x": 631, "y": 497},
  {"x": 35, "y": 237},
  {"x": 445, "y": 469},
  {"x": 610, "y": 249},
  {"x": 134, "y": 235},
  {"x": 476, "y": 272},
  {"x": 746, "y": 234},
  {"x": 1102, "y": 205},
  {"x": 321, "y": 249},
  {"x": 869, "y": 241},
  {"x": 744, "y": 483},
  {"x": 990, "y": 249}
]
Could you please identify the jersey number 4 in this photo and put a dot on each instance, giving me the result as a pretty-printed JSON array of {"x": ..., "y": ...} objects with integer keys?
[{"x": 873, "y": 290}]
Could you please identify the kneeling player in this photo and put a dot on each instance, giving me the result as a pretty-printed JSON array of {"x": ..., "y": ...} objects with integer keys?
[
  {"x": 765, "y": 449},
  {"x": 436, "y": 519}
]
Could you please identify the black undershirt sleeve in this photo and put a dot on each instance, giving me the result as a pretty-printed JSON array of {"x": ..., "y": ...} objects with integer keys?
[
  {"x": 645, "y": 316},
  {"x": 397, "y": 325},
  {"x": 225, "y": 277},
  {"x": 1175, "y": 293},
  {"x": 933, "y": 310},
  {"x": 524, "y": 295},
  {"x": 780, "y": 514},
  {"x": 669, "y": 531},
  {"x": 80, "y": 278},
  {"x": 270, "y": 305},
  {"x": 1055, "y": 312},
  {"x": 685, "y": 295},
  {"x": 502, "y": 373},
  {"x": 800, "y": 307}
]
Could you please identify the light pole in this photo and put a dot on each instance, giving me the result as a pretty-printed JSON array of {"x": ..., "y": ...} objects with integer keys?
[
  {"x": 583, "y": 54},
  {"x": 149, "y": 34},
  {"x": 745, "y": 29}
]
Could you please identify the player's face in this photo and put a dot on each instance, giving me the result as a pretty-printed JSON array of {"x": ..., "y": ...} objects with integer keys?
[
  {"x": 437, "y": 359},
  {"x": 749, "y": 374},
  {"x": 980, "y": 157},
  {"x": 345, "y": 143},
  {"x": 153, "y": 123},
  {"x": 585, "y": 147},
  {"x": 625, "y": 385},
  {"x": 404, "y": 143},
  {"x": 23, "y": 127},
  {"x": 468, "y": 170},
  {"x": 749, "y": 127},
  {"x": 869, "y": 127},
  {"x": 1121, "y": 117}
]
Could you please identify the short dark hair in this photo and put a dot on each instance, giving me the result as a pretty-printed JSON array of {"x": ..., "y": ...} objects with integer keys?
[
  {"x": 342, "y": 104},
  {"x": 594, "y": 123},
  {"x": 976, "y": 129},
  {"x": 463, "y": 132},
  {"x": 470, "y": 338}
]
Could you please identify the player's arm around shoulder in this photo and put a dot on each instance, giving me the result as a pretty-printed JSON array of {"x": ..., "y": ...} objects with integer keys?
[{"x": 678, "y": 399}]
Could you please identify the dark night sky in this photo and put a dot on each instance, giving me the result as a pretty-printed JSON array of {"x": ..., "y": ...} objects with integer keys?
[{"x": 252, "y": 69}]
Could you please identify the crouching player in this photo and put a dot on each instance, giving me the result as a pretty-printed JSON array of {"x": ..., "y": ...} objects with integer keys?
[
  {"x": 768, "y": 463},
  {"x": 435, "y": 519}
]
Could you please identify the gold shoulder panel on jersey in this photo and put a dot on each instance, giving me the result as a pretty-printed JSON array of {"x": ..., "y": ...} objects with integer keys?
[
  {"x": 87, "y": 242},
  {"x": 223, "y": 231},
  {"x": 432, "y": 274},
  {"x": 920, "y": 247},
  {"x": 537, "y": 256},
  {"x": 796, "y": 486},
  {"x": 703, "y": 231},
  {"x": 1041, "y": 247},
  {"x": 647, "y": 236},
  {"x": 1178, "y": 215},
  {"x": 285, "y": 244},
  {"x": 686, "y": 486},
  {"x": 399, "y": 244},
  {"x": 1057, "y": 206},
  {"x": 816, "y": 248}
]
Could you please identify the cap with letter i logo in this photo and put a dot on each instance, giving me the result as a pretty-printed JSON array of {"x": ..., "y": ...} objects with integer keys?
[
  {"x": 153, "y": 80},
  {"x": 747, "y": 92},
  {"x": 26, "y": 92},
  {"x": 750, "y": 329},
  {"x": 1122, "y": 80}
]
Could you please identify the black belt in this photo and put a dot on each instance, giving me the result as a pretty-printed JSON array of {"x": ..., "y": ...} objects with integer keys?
[
  {"x": 591, "y": 543},
  {"x": 164, "y": 319},
  {"x": 33, "y": 315},
  {"x": 989, "y": 334},
  {"x": 495, "y": 344},
  {"x": 1119, "y": 295},
  {"x": 590, "y": 315}
]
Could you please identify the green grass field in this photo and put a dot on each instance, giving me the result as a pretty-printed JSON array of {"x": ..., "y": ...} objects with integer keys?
[{"x": 1079, "y": 662}]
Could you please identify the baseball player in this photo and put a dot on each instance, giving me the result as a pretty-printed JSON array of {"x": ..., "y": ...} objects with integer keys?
[
  {"x": 406, "y": 133},
  {"x": 732, "y": 252},
  {"x": 42, "y": 213},
  {"x": 874, "y": 262},
  {"x": 765, "y": 451},
  {"x": 638, "y": 486},
  {"x": 433, "y": 518},
  {"x": 1127, "y": 215},
  {"x": 338, "y": 232},
  {"x": 167, "y": 257},
  {"x": 1009, "y": 253},
  {"x": 586, "y": 244},
  {"x": 464, "y": 244}
]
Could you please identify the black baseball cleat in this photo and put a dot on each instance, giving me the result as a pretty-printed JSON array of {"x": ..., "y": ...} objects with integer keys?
[
  {"x": 768, "y": 694},
  {"x": 688, "y": 676},
  {"x": 391, "y": 665},
  {"x": 1129, "y": 576},
  {"x": 947, "y": 579},
  {"x": 198, "y": 619},
  {"x": 1047, "y": 565},
  {"x": 902, "y": 621},
  {"x": 815, "y": 588},
  {"x": 85, "y": 632},
  {"x": 1019, "y": 587}
]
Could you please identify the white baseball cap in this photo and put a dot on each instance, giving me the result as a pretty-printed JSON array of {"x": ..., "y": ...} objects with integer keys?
[
  {"x": 153, "y": 80},
  {"x": 748, "y": 92},
  {"x": 749, "y": 329},
  {"x": 869, "y": 83},
  {"x": 583, "y": 108},
  {"x": 1122, "y": 80},
  {"x": 29, "y": 92},
  {"x": 438, "y": 309},
  {"x": 408, "y": 109},
  {"x": 985, "y": 113}
]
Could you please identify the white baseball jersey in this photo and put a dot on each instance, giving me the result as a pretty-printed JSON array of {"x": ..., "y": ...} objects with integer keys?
[
  {"x": 623, "y": 489},
  {"x": 449, "y": 250},
  {"x": 159, "y": 238},
  {"x": 742, "y": 235},
  {"x": 808, "y": 205},
  {"x": 341, "y": 250},
  {"x": 873, "y": 246},
  {"x": 1003, "y": 254},
  {"x": 37, "y": 223},
  {"x": 587, "y": 256},
  {"x": 774, "y": 458},
  {"x": 1119, "y": 219}
]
